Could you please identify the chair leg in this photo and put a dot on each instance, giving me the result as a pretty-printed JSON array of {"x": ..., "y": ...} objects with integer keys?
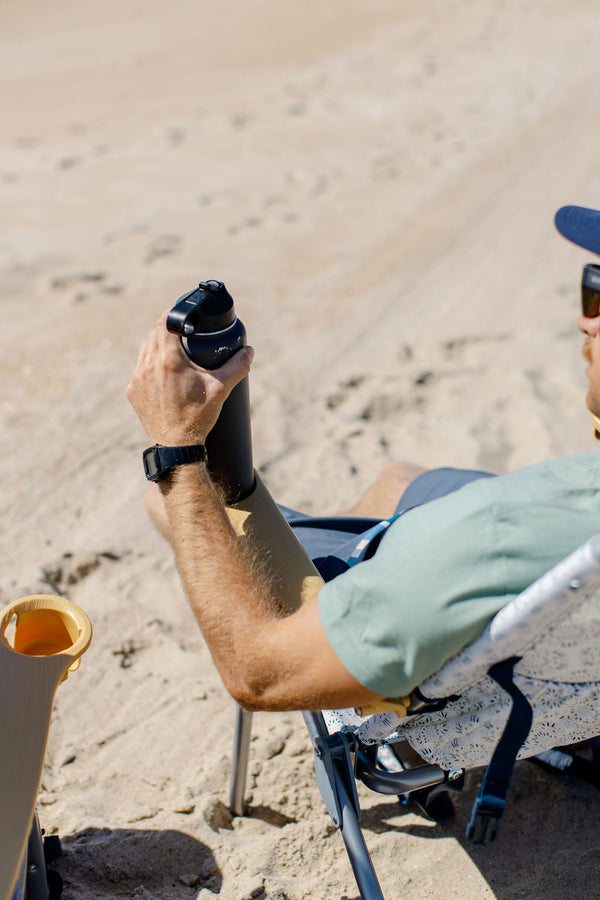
[
  {"x": 334, "y": 773},
  {"x": 239, "y": 763},
  {"x": 356, "y": 848}
]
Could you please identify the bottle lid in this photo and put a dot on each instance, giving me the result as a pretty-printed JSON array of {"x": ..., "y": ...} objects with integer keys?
[{"x": 208, "y": 308}]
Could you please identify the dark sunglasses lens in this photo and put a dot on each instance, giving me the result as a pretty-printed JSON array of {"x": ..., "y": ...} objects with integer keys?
[{"x": 590, "y": 291}]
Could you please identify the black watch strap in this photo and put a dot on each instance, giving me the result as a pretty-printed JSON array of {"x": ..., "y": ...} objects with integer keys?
[{"x": 159, "y": 461}]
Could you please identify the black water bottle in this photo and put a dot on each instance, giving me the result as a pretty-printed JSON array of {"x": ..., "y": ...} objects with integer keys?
[{"x": 211, "y": 333}]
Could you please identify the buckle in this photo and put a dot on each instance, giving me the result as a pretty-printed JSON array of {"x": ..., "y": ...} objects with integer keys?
[{"x": 487, "y": 812}]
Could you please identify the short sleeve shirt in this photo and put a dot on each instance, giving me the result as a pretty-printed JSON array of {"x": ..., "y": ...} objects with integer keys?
[{"x": 445, "y": 568}]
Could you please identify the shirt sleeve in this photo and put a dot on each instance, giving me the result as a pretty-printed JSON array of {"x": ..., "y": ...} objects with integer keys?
[{"x": 396, "y": 618}]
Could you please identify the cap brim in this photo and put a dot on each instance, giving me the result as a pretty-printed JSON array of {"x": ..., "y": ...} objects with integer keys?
[{"x": 580, "y": 225}]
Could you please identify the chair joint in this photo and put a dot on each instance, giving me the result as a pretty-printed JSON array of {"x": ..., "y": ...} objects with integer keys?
[{"x": 335, "y": 761}]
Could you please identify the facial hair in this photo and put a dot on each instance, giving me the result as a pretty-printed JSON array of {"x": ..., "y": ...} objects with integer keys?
[{"x": 586, "y": 350}]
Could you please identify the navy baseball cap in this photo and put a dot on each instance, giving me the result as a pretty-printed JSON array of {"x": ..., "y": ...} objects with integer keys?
[{"x": 580, "y": 225}]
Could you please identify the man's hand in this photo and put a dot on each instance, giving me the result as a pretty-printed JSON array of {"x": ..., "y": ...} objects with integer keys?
[{"x": 176, "y": 401}]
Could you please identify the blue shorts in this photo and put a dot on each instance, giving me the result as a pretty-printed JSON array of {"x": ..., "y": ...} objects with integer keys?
[{"x": 331, "y": 541}]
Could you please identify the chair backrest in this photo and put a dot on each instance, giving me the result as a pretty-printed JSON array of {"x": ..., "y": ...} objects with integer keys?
[{"x": 553, "y": 629}]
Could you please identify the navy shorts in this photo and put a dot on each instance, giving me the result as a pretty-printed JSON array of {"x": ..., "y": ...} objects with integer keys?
[{"x": 331, "y": 541}]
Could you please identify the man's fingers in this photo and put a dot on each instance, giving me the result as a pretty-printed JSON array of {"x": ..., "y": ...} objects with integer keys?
[
  {"x": 229, "y": 374},
  {"x": 161, "y": 322},
  {"x": 164, "y": 349},
  {"x": 143, "y": 352}
]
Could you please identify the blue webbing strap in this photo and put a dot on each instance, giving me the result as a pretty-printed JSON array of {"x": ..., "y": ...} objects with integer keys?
[
  {"x": 370, "y": 540},
  {"x": 490, "y": 803}
]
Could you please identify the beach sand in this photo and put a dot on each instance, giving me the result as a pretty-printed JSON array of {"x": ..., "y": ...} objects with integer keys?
[{"x": 376, "y": 185}]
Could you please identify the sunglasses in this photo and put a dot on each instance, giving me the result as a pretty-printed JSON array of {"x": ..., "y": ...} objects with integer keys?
[{"x": 590, "y": 291}]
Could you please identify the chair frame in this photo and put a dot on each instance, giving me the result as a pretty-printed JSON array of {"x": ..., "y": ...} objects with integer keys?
[{"x": 340, "y": 759}]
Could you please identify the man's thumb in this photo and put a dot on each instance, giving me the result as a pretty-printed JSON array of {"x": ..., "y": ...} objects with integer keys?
[{"x": 237, "y": 367}]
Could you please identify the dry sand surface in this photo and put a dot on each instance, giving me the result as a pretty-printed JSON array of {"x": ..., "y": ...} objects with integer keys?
[{"x": 376, "y": 183}]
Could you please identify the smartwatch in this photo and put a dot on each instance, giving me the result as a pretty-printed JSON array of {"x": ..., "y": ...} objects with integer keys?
[{"x": 159, "y": 461}]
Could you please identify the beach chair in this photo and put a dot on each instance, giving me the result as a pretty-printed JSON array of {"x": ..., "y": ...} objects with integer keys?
[
  {"x": 42, "y": 639},
  {"x": 528, "y": 685}
]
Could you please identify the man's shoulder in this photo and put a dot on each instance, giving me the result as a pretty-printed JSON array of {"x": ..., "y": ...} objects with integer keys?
[
  {"x": 569, "y": 481},
  {"x": 581, "y": 469}
]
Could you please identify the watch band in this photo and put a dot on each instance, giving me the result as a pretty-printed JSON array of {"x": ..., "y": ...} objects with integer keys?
[{"x": 159, "y": 461}]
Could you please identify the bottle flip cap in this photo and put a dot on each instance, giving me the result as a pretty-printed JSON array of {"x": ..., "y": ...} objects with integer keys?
[{"x": 208, "y": 308}]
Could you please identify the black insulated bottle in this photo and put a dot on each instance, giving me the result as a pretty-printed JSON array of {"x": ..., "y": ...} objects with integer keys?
[{"x": 211, "y": 333}]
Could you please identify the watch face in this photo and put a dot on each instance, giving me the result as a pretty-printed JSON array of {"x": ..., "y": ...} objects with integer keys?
[{"x": 152, "y": 466}]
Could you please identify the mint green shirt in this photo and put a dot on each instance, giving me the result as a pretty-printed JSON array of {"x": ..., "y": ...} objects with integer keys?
[{"x": 445, "y": 568}]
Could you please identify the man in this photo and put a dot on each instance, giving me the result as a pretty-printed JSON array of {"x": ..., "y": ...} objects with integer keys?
[{"x": 464, "y": 544}]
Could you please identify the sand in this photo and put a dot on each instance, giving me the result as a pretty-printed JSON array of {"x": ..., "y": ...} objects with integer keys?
[{"x": 376, "y": 185}]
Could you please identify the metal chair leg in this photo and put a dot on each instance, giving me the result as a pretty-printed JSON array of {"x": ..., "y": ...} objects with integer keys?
[
  {"x": 239, "y": 764},
  {"x": 356, "y": 848},
  {"x": 334, "y": 776}
]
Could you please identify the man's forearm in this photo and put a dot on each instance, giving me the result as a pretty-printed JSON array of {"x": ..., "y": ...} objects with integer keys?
[
  {"x": 267, "y": 661},
  {"x": 229, "y": 594}
]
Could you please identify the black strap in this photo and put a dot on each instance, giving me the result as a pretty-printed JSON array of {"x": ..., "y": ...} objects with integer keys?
[
  {"x": 178, "y": 456},
  {"x": 490, "y": 803},
  {"x": 158, "y": 460}
]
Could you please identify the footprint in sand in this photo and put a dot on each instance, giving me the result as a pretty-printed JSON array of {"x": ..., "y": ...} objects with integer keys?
[{"x": 164, "y": 245}]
